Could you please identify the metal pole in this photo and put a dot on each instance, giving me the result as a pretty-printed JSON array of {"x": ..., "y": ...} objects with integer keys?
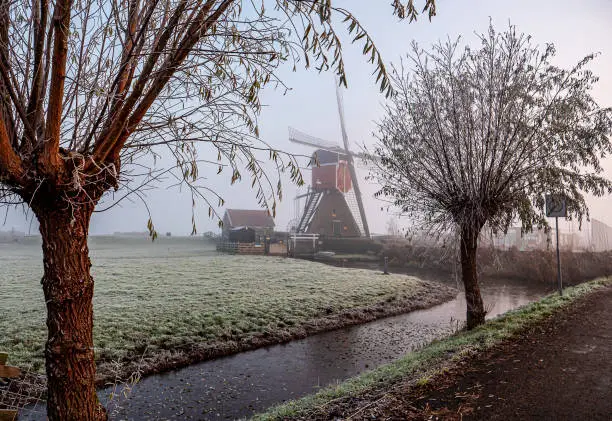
[
  {"x": 314, "y": 247},
  {"x": 558, "y": 258}
]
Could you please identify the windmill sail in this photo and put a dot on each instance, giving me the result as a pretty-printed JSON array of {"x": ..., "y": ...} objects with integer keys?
[
  {"x": 362, "y": 217},
  {"x": 351, "y": 201},
  {"x": 298, "y": 136}
]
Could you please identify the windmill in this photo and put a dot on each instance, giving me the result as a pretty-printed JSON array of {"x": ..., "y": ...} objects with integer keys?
[{"x": 333, "y": 202}]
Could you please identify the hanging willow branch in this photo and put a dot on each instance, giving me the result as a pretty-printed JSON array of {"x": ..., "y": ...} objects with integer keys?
[{"x": 92, "y": 90}]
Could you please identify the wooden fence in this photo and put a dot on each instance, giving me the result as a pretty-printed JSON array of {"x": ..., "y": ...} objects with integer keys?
[
  {"x": 227, "y": 247},
  {"x": 278, "y": 249},
  {"x": 247, "y": 248},
  {"x": 241, "y": 248},
  {"x": 7, "y": 372}
]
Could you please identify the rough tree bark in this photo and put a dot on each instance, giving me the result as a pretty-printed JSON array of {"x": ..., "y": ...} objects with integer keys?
[
  {"x": 68, "y": 288},
  {"x": 469, "y": 246}
]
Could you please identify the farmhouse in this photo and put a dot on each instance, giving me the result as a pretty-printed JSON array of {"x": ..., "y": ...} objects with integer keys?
[{"x": 241, "y": 222}]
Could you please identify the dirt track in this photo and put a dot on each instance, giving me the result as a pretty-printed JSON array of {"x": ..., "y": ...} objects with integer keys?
[{"x": 560, "y": 370}]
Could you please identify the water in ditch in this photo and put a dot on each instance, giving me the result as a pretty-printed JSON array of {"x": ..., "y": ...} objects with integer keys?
[{"x": 243, "y": 384}]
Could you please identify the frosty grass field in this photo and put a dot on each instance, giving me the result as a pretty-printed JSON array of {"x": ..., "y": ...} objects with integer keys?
[{"x": 179, "y": 291}]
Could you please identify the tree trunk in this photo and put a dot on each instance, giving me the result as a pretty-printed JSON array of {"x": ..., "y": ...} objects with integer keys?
[
  {"x": 68, "y": 288},
  {"x": 475, "y": 306}
]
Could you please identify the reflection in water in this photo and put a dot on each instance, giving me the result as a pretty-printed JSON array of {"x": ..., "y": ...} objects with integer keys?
[{"x": 240, "y": 385}]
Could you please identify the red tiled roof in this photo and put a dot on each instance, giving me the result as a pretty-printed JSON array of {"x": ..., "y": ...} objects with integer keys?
[{"x": 249, "y": 218}]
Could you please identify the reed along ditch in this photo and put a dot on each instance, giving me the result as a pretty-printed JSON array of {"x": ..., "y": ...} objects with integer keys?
[{"x": 243, "y": 384}]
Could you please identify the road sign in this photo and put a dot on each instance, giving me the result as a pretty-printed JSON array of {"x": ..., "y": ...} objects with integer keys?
[{"x": 555, "y": 206}]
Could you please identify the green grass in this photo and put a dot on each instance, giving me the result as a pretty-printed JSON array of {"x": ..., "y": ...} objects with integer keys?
[
  {"x": 420, "y": 365},
  {"x": 175, "y": 292}
]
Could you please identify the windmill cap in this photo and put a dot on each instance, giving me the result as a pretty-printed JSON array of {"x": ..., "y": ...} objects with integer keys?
[{"x": 324, "y": 156}]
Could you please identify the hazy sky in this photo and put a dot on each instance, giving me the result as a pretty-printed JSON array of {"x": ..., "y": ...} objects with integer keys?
[{"x": 576, "y": 29}]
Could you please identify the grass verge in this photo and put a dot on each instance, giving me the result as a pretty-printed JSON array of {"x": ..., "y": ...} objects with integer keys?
[{"x": 420, "y": 365}]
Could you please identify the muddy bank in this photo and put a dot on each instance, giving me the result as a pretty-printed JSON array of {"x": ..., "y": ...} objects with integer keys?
[{"x": 430, "y": 294}]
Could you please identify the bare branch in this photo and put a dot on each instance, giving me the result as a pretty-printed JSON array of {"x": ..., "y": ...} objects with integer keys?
[{"x": 50, "y": 158}]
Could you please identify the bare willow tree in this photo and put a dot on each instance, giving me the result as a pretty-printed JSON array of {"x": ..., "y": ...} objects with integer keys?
[
  {"x": 473, "y": 139},
  {"x": 90, "y": 90}
]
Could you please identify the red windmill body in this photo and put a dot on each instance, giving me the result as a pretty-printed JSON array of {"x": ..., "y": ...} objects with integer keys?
[{"x": 333, "y": 201}]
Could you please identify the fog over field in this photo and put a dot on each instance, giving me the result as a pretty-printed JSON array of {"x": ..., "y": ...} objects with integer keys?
[{"x": 575, "y": 29}]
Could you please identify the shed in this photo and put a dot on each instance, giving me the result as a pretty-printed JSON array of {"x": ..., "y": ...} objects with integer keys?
[
  {"x": 259, "y": 220},
  {"x": 242, "y": 235}
]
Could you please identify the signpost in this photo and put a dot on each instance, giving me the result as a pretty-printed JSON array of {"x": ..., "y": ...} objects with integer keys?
[{"x": 555, "y": 208}]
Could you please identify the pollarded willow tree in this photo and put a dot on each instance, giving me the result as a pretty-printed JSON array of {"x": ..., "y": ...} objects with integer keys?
[
  {"x": 91, "y": 92},
  {"x": 473, "y": 139}
]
